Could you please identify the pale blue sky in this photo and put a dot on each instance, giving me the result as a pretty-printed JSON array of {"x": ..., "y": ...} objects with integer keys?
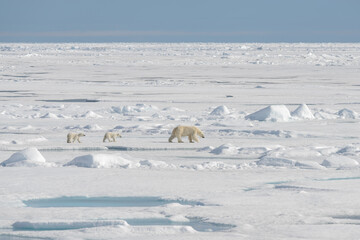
[{"x": 180, "y": 20}]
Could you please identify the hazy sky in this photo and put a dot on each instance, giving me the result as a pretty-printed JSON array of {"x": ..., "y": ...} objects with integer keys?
[{"x": 180, "y": 20}]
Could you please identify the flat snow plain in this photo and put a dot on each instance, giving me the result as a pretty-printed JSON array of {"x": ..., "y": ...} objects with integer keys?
[{"x": 280, "y": 158}]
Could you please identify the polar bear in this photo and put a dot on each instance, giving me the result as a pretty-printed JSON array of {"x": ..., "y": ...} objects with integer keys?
[
  {"x": 190, "y": 131},
  {"x": 111, "y": 135},
  {"x": 72, "y": 137}
]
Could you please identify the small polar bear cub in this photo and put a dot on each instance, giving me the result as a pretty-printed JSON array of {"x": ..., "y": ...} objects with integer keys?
[
  {"x": 190, "y": 131},
  {"x": 72, "y": 137},
  {"x": 111, "y": 135}
]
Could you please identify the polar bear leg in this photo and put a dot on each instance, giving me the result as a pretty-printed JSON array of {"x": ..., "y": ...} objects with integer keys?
[
  {"x": 171, "y": 137},
  {"x": 113, "y": 138},
  {"x": 195, "y": 138},
  {"x": 78, "y": 139},
  {"x": 190, "y": 139},
  {"x": 179, "y": 139}
]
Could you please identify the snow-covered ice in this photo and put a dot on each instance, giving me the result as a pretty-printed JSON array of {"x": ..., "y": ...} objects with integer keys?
[{"x": 280, "y": 158}]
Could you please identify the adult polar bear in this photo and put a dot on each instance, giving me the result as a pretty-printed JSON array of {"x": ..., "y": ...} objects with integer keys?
[
  {"x": 111, "y": 135},
  {"x": 72, "y": 137},
  {"x": 190, "y": 131}
]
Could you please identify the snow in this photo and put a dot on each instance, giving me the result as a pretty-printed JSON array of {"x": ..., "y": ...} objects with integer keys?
[{"x": 280, "y": 157}]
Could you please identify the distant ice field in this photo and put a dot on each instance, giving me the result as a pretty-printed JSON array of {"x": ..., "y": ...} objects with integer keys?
[{"x": 280, "y": 158}]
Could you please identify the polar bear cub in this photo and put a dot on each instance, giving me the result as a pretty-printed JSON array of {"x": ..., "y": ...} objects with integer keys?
[
  {"x": 190, "y": 131},
  {"x": 72, "y": 137},
  {"x": 111, "y": 135}
]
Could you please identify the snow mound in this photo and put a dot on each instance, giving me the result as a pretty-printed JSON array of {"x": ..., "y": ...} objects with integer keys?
[
  {"x": 337, "y": 161},
  {"x": 325, "y": 114},
  {"x": 303, "y": 112},
  {"x": 100, "y": 161},
  {"x": 146, "y": 108},
  {"x": 275, "y": 113},
  {"x": 91, "y": 115},
  {"x": 50, "y": 115},
  {"x": 227, "y": 148},
  {"x": 29, "y": 157},
  {"x": 124, "y": 109},
  {"x": 347, "y": 114},
  {"x": 93, "y": 127},
  {"x": 220, "y": 111}
]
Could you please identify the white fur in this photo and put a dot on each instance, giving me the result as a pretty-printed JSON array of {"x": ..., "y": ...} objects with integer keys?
[
  {"x": 111, "y": 135},
  {"x": 189, "y": 131},
  {"x": 72, "y": 137}
]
